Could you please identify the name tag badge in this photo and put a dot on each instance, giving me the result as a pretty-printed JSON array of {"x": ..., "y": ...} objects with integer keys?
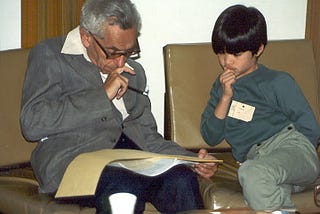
[{"x": 241, "y": 111}]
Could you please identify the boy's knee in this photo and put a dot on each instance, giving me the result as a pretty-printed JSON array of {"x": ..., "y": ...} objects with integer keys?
[
  {"x": 260, "y": 189},
  {"x": 252, "y": 172}
]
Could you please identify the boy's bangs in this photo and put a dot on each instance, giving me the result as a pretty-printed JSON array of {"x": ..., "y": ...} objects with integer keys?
[{"x": 231, "y": 45}]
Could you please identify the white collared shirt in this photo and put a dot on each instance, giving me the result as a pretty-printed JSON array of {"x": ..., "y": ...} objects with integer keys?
[{"x": 73, "y": 45}]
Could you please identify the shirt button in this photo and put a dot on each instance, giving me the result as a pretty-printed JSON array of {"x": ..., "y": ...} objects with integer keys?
[{"x": 103, "y": 119}]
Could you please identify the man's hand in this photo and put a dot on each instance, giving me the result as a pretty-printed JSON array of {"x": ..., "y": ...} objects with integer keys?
[
  {"x": 116, "y": 84},
  {"x": 206, "y": 170}
]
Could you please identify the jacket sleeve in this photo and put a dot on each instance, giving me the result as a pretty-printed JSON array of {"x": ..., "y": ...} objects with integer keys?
[
  {"x": 143, "y": 127},
  {"x": 48, "y": 106}
]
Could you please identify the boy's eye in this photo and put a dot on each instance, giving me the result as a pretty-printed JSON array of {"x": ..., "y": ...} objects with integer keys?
[{"x": 238, "y": 54}]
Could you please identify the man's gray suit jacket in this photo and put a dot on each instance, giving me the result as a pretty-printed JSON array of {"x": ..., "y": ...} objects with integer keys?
[{"x": 66, "y": 110}]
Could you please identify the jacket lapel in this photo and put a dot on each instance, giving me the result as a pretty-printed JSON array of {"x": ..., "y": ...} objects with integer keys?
[
  {"x": 130, "y": 97},
  {"x": 86, "y": 69}
]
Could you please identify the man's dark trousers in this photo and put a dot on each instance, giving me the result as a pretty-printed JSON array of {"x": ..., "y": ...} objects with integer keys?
[{"x": 173, "y": 191}]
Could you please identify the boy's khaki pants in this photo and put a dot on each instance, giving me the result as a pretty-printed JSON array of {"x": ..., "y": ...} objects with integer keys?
[{"x": 283, "y": 164}]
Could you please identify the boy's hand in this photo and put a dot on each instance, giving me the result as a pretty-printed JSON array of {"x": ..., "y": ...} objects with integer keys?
[{"x": 227, "y": 78}]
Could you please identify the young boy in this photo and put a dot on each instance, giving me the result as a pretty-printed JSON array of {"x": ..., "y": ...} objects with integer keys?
[{"x": 262, "y": 113}]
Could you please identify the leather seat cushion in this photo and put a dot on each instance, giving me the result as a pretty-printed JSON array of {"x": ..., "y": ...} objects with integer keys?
[{"x": 20, "y": 195}]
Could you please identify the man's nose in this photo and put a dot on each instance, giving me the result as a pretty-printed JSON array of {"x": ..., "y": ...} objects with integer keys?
[{"x": 120, "y": 61}]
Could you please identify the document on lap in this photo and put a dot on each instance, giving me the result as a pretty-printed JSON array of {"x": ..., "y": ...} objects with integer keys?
[{"x": 87, "y": 168}]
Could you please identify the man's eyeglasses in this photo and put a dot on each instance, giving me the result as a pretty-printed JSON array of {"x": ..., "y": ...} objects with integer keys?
[{"x": 133, "y": 54}]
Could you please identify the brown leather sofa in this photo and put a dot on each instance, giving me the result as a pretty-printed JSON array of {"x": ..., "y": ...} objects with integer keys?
[
  {"x": 185, "y": 99},
  {"x": 190, "y": 70}
]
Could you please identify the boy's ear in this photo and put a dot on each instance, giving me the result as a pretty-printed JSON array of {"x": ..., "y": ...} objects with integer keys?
[{"x": 260, "y": 50}]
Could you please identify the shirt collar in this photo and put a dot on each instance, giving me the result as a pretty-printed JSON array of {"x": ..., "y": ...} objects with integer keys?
[{"x": 73, "y": 44}]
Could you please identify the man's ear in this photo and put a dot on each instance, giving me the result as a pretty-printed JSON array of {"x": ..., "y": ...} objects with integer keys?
[
  {"x": 260, "y": 50},
  {"x": 85, "y": 37}
]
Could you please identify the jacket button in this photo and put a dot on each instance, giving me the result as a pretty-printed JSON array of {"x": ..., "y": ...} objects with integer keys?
[
  {"x": 103, "y": 119},
  {"x": 289, "y": 128}
]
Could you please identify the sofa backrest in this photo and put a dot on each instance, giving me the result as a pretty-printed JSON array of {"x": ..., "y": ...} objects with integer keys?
[
  {"x": 190, "y": 70},
  {"x": 13, "y": 148}
]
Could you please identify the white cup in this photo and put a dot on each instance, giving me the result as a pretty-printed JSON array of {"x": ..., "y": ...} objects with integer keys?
[{"x": 122, "y": 203}]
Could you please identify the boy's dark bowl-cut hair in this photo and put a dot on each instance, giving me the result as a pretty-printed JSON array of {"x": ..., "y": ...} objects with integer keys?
[{"x": 239, "y": 29}]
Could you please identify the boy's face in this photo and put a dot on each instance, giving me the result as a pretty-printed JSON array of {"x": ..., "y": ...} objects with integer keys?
[{"x": 241, "y": 63}]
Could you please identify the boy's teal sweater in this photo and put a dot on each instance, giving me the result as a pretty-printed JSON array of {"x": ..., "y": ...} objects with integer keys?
[{"x": 278, "y": 102}]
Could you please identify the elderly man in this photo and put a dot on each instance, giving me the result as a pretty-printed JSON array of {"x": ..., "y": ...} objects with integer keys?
[{"x": 82, "y": 93}]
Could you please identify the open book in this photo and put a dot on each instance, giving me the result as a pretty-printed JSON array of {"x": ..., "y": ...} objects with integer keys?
[{"x": 83, "y": 173}]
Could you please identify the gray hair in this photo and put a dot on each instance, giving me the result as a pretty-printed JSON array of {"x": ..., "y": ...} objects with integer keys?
[{"x": 95, "y": 14}]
